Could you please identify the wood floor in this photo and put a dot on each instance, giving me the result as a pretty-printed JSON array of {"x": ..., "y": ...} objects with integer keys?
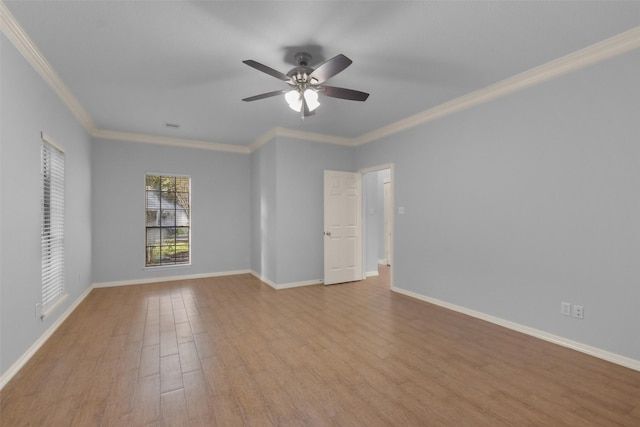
[{"x": 231, "y": 351}]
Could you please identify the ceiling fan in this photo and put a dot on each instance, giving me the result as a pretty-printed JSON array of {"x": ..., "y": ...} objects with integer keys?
[{"x": 306, "y": 83}]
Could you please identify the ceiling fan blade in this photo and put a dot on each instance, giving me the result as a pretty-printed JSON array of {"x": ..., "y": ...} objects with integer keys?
[
  {"x": 264, "y": 95},
  {"x": 261, "y": 67},
  {"x": 330, "y": 68},
  {"x": 342, "y": 93}
]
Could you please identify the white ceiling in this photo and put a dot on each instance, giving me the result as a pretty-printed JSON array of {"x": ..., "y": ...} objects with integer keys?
[{"x": 135, "y": 65}]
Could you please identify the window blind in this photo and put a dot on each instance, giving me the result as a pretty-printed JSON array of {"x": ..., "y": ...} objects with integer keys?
[{"x": 52, "y": 225}]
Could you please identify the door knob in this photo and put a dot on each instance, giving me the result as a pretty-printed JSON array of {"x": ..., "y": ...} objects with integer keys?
[{"x": 327, "y": 233}]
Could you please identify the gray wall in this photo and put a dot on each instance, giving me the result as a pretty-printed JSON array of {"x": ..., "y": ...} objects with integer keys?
[
  {"x": 264, "y": 212},
  {"x": 533, "y": 199},
  {"x": 373, "y": 214},
  {"x": 371, "y": 221},
  {"x": 300, "y": 203},
  {"x": 287, "y": 196},
  {"x": 220, "y": 211},
  {"x": 28, "y": 107}
]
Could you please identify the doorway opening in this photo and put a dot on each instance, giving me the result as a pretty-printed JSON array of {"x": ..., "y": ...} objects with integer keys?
[{"x": 377, "y": 221}]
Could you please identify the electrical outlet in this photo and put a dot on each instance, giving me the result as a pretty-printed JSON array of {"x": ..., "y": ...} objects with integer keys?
[
  {"x": 578, "y": 312},
  {"x": 565, "y": 308}
]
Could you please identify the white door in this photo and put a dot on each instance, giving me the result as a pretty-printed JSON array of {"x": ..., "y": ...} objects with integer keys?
[{"x": 342, "y": 227}]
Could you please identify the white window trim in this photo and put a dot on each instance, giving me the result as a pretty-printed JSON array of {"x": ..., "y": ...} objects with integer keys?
[{"x": 167, "y": 266}]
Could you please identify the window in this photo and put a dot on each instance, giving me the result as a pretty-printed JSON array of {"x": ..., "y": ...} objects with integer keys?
[
  {"x": 52, "y": 224},
  {"x": 168, "y": 220}
]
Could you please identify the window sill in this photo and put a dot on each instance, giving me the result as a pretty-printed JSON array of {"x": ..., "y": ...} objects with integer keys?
[
  {"x": 167, "y": 267},
  {"x": 53, "y": 306}
]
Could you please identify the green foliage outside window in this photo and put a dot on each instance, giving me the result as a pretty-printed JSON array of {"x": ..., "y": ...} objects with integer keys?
[{"x": 168, "y": 220}]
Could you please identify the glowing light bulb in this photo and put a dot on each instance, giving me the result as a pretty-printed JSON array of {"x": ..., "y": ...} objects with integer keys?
[
  {"x": 311, "y": 96},
  {"x": 293, "y": 99}
]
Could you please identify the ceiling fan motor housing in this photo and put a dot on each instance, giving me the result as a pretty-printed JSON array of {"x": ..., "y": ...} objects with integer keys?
[
  {"x": 300, "y": 74},
  {"x": 302, "y": 58}
]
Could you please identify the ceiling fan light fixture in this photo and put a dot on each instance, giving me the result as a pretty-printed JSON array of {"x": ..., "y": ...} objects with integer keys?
[
  {"x": 305, "y": 83},
  {"x": 294, "y": 99},
  {"x": 311, "y": 96}
]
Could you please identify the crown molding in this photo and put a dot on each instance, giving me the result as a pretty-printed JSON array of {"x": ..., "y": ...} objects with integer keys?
[
  {"x": 315, "y": 137},
  {"x": 173, "y": 142},
  {"x": 611, "y": 47},
  {"x": 263, "y": 139},
  {"x": 14, "y": 32},
  {"x": 305, "y": 136},
  {"x": 608, "y": 48}
]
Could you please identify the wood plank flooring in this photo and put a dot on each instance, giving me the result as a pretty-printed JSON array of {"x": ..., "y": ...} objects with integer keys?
[{"x": 231, "y": 351}]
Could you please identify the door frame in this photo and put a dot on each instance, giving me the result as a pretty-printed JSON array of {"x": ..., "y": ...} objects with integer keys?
[{"x": 377, "y": 168}]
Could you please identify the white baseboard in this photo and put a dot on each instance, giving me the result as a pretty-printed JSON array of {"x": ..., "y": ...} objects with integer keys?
[
  {"x": 565, "y": 342},
  {"x": 371, "y": 273},
  {"x": 299, "y": 284},
  {"x": 167, "y": 279},
  {"x": 13, "y": 370},
  {"x": 278, "y": 286},
  {"x": 265, "y": 280}
]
